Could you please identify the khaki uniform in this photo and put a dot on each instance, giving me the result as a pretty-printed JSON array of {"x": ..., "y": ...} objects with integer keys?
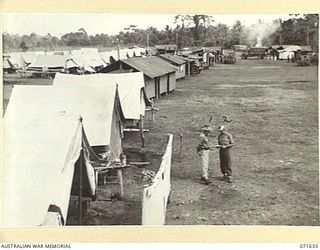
[
  {"x": 225, "y": 139},
  {"x": 203, "y": 151}
]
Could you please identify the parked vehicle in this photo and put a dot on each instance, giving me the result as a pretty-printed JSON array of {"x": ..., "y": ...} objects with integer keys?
[
  {"x": 303, "y": 60},
  {"x": 259, "y": 52},
  {"x": 229, "y": 59}
]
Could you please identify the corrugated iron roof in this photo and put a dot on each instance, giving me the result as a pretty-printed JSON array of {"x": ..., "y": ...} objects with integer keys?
[
  {"x": 187, "y": 59},
  {"x": 159, "y": 62},
  {"x": 151, "y": 66},
  {"x": 173, "y": 58}
]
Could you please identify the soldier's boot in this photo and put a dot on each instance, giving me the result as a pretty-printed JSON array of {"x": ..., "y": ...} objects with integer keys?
[
  {"x": 207, "y": 182},
  {"x": 203, "y": 178},
  {"x": 225, "y": 177}
]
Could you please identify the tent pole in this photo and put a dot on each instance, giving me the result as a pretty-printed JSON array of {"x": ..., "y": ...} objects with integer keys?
[
  {"x": 152, "y": 110},
  {"x": 180, "y": 135},
  {"x": 120, "y": 179},
  {"x": 141, "y": 131},
  {"x": 80, "y": 180}
]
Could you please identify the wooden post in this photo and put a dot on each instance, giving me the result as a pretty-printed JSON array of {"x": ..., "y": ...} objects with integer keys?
[
  {"x": 141, "y": 131},
  {"x": 120, "y": 179},
  {"x": 152, "y": 110},
  {"x": 96, "y": 173},
  {"x": 180, "y": 152},
  {"x": 120, "y": 67}
]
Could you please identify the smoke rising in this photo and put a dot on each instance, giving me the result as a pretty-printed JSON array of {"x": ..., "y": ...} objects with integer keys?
[{"x": 257, "y": 32}]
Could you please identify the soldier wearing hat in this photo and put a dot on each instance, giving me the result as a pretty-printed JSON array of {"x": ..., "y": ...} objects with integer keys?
[
  {"x": 203, "y": 151},
  {"x": 225, "y": 142}
]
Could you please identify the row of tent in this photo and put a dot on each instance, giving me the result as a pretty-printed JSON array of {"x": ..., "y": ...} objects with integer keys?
[
  {"x": 50, "y": 131},
  {"x": 85, "y": 60},
  {"x": 89, "y": 60},
  {"x": 53, "y": 134}
]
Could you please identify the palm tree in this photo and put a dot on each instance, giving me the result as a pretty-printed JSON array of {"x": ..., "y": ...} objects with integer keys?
[{"x": 83, "y": 31}]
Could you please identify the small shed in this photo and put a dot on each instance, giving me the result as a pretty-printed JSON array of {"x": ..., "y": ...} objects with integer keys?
[
  {"x": 190, "y": 62},
  {"x": 177, "y": 61},
  {"x": 159, "y": 76}
]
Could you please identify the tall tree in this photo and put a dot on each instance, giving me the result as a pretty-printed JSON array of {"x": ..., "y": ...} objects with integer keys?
[
  {"x": 197, "y": 24},
  {"x": 237, "y": 33}
]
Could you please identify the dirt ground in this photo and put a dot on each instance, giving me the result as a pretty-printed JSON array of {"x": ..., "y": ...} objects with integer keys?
[{"x": 274, "y": 108}]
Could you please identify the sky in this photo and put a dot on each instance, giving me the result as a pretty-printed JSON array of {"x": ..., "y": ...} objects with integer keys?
[{"x": 111, "y": 24}]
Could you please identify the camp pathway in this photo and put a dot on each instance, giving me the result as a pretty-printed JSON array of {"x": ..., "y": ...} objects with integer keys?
[{"x": 273, "y": 106}]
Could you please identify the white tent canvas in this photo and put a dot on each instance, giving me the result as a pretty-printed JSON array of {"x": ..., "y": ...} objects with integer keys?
[
  {"x": 94, "y": 104},
  {"x": 17, "y": 60},
  {"x": 130, "y": 87},
  {"x": 42, "y": 143},
  {"x": 284, "y": 55},
  {"x": 39, "y": 156},
  {"x": 114, "y": 54},
  {"x": 87, "y": 58},
  {"x": 81, "y": 62}
]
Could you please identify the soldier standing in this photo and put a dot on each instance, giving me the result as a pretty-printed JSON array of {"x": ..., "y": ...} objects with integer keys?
[
  {"x": 225, "y": 142},
  {"x": 203, "y": 151}
]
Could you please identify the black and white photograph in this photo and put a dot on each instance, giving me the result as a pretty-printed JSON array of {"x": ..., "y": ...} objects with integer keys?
[{"x": 160, "y": 119}]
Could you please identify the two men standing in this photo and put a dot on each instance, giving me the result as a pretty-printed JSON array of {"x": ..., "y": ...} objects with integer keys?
[{"x": 225, "y": 142}]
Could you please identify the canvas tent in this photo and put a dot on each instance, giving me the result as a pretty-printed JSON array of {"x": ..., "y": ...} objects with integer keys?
[
  {"x": 42, "y": 146},
  {"x": 88, "y": 57},
  {"x": 113, "y": 55},
  {"x": 51, "y": 64},
  {"x": 30, "y": 56},
  {"x": 84, "y": 67},
  {"x": 17, "y": 60},
  {"x": 288, "y": 51},
  {"x": 100, "y": 108},
  {"x": 132, "y": 96},
  {"x": 8, "y": 66}
]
